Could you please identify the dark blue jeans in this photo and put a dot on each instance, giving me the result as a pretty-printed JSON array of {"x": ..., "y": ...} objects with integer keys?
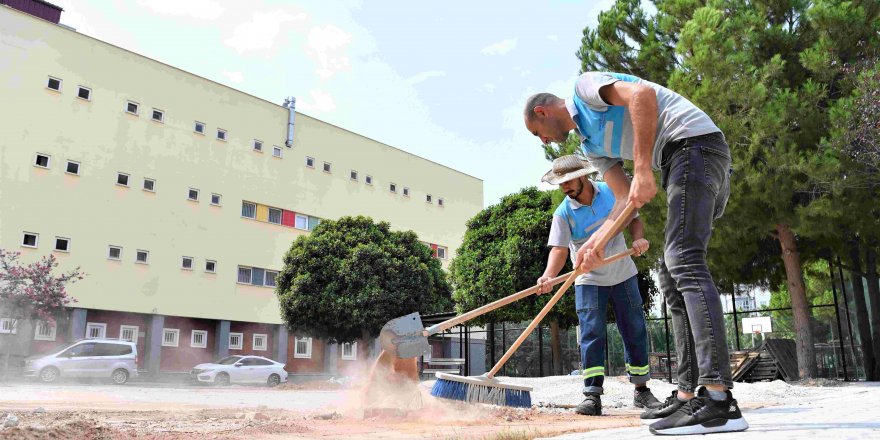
[
  {"x": 696, "y": 175},
  {"x": 591, "y": 303}
]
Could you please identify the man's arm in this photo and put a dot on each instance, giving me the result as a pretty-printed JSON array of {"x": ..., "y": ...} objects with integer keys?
[
  {"x": 619, "y": 183},
  {"x": 555, "y": 261},
  {"x": 637, "y": 230}
]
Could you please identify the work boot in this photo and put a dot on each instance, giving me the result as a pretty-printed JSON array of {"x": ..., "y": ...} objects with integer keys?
[
  {"x": 669, "y": 406},
  {"x": 645, "y": 399},
  {"x": 591, "y": 406}
]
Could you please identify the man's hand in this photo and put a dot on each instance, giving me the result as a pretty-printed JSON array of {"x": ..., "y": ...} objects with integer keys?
[
  {"x": 641, "y": 246},
  {"x": 543, "y": 287},
  {"x": 643, "y": 188}
]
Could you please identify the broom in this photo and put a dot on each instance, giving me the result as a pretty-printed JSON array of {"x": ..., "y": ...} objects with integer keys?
[{"x": 488, "y": 389}]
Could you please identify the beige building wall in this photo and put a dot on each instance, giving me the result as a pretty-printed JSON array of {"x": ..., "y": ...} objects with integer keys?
[{"x": 94, "y": 212}]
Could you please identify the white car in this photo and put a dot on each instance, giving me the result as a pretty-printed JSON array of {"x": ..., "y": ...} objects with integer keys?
[
  {"x": 88, "y": 358},
  {"x": 240, "y": 369}
]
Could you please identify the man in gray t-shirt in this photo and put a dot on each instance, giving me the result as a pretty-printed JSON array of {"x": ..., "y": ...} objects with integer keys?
[{"x": 585, "y": 208}]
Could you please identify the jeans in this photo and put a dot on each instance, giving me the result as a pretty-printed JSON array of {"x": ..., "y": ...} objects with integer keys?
[
  {"x": 696, "y": 175},
  {"x": 591, "y": 303}
]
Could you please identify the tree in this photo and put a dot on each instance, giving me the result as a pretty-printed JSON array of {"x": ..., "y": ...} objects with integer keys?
[
  {"x": 349, "y": 277},
  {"x": 31, "y": 291}
]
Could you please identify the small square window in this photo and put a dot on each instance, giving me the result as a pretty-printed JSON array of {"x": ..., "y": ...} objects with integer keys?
[
  {"x": 215, "y": 199},
  {"x": 115, "y": 253},
  {"x": 142, "y": 257},
  {"x": 62, "y": 244},
  {"x": 349, "y": 351},
  {"x": 158, "y": 115},
  {"x": 326, "y": 167},
  {"x": 235, "y": 340},
  {"x": 244, "y": 275},
  {"x": 72, "y": 167},
  {"x": 149, "y": 185},
  {"x": 270, "y": 278},
  {"x": 128, "y": 333},
  {"x": 199, "y": 339},
  {"x": 275, "y": 216},
  {"x": 441, "y": 253},
  {"x": 276, "y": 152},
  {"x": 210, "y": 266},
  {"x": 44, "y": 331},
  {"x": 8, "y": 325},
  {"x": 392, "y": 188},
  {"x": 301, "y": 222},
  {"x": 406, "y": 191},
  {"x": 42, "y": 160},
  {"x": 368, "y": 179},
  {"x": 30, "y": 240},
  {"x": 248, "y": 210},
  {"x": 310, "y": 162},
  {"x": 258, "y": 145},
  {"x": 170, "y": 337},
  {"x": 221, "y": 134},
  {"x": 54, "y": 84},
  {"x": 122, "y": 179},
  {"x": 84, "y": 93},
  {"x": 193, "y": 195},
  {"x": 260, "y": 342},
  {"x": 199, "y": 127},
  {"x": 302, "y": 348},
  {"x": 354, "y": 175},
  {"x": 131, "y": 107},
  {"x": 440, "y": 201},
  {"x": 428, "y": 198},
  {"x": 187, "y": 263},
  {"x": 96, "y": 330}
]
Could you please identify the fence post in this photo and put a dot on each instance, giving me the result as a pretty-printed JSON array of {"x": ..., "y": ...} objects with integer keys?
[
  {"x": 837, "y": 315},
  {"x": 491, "y": 337},
  {"x": 848, "y": 319},
  {"x": 735, "y": 318},
  {"x": 540, "y": 351}
]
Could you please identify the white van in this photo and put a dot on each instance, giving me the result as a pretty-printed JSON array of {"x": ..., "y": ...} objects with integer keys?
[{"x": 88, "y": 358}]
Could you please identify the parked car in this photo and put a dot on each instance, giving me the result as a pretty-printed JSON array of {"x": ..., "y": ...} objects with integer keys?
[
  {"x": 240, "y": 369},
  {"x": 88, "y": 358}
]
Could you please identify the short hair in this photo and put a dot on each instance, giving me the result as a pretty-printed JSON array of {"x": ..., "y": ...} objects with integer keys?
[{"x": 542, "y": 99}]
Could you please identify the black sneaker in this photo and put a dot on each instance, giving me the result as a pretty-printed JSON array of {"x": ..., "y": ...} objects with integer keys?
[
  {"x": 591, "y": 406},
  {"x": 702, "y": 415},
  {"x": 645, "y": 399},
  {"x": 669, "y": 406}
]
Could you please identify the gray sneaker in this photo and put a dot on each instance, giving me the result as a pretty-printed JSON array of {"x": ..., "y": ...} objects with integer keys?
[
  {"x": 591, "y": 406},
  {"x": 645, "y": 399},
  {"x": 669, "y": 406}
]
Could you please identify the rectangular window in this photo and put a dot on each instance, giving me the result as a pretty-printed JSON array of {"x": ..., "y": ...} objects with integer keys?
[
  {"x": 158, "y": 115},
  {"x": 142, "y": 257},
  {"x": 259, "y": 342},
  {"x": 96, "y": 330},
  {"x": 199, "y": 339},
  {"x": 248, "y": 210},
  {"x": 270, "y": 278},
  {"x": 44, "y": 331},
  {"x": 393, "y": 188},
  {"x": 193, "y": 194},
  {"x": 54, "y": 84},
  {"x": 210, "y": 266},
  {"x": 302, "y": 348},
  {"x": 275, "y": 216},
  {"x": 187, "y": 263},
  {"x": 62, "y": 244},
  {"x": 215, "y": 199},
  {"x": 84, "y": 93},
  {"x": 235, "y": 340},
  {"x": 221, "y": 134},
  {"x": 310, "y": 162},
  {"x": 440, "y": 201},
  {"x": 42, "y": 160},
  {"x": 406, "y": 191},
  {"x": 7, "y": 325},
  {"x": 349, "y": 351},
  {"x": 72, "y": 168},
  {"x": 258, "y": 145},
  {"x": 131, "y": 107},
  {"x": 326, "y": 167},
  {"x": 199, "y": 127},
  {"x": 428, "y": 198},
  {"x": 149, "y": 185},
  {"x": 369, "y": 179},
  {"x": 115, "y": 253},
  {"x": 276, "y": 152},
  {"x": 244, "y": 275},
  {"x": 441, "y": 253},
  {"x": 354, "y": 175},
  {"x": 122, "y": 179},
  {"x": 128, "y": 333},
  {"x": 170, "y": 337},
  {"x": 30, "y": 240},
  {"x": 302, "y": 222}
]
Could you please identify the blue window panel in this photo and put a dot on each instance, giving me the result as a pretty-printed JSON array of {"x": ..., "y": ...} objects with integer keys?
[
  {"x": 313, "y": 222},
  {"x": 258, "y": 275}
]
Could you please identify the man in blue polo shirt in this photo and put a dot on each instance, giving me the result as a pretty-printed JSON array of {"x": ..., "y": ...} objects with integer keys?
[
  {"x": 621, "y": 117},
  {"x": 583, "y": 211}
]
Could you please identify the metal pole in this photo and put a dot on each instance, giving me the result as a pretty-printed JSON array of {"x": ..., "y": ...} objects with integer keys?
[
  {"x": 837, "y": 316},
  {"x": 668, "y": 354},
  {"x": 491, "y": 337},
  {"x": 467, "y": 351},
  {"x": 735, "y": 319},
  {"x": 504, "y": 342},
  {"x": 848, "y": 319}
]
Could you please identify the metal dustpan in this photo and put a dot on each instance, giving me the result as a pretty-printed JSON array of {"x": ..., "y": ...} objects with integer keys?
[{"x": 405, "y": 337}]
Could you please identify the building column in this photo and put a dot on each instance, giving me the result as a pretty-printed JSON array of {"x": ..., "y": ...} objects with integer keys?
[
  {"x": 279, "y": 352},
  {"x": 221, "y": 340},
  {"x": 153, "y": 345},
  {"x": 331, "y": 359},
  {"x": 77, "y": 329}
]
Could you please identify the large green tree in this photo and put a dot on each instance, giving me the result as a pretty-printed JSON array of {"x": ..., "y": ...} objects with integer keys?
[{"x": 350, "y": 276}]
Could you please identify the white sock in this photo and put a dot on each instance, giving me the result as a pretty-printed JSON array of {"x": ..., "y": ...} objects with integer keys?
[{"x": 717, "y": 395}]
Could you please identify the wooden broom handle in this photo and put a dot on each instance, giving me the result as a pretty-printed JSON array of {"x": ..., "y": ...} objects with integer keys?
[
  {"x": 445, "y": 325},
  {"x": 618, "y": 225}
]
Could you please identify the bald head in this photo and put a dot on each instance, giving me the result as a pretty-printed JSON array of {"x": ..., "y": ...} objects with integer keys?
[{"x": 539, "y": 100}]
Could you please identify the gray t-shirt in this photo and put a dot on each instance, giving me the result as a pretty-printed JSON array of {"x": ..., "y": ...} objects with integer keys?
[{"x": 606, "y": 131}]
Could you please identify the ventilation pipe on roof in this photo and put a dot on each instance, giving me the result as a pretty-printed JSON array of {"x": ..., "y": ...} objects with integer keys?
[{"x": 290, "y": 103}]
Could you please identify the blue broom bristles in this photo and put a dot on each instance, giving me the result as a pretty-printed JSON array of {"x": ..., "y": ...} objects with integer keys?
[{"x": 472, "y": 393}]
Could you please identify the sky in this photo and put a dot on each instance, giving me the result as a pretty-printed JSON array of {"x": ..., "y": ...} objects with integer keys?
[{"x": 446, "y": 81}]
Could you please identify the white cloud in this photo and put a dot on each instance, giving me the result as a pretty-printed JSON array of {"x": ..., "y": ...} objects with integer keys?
[
  {"x": 261, "y": 32},
  {"x": 235, "y": 77},
  {"x": 320, "y": 102},
  {"x": 423, "y": 76},
  {"x": 500, "y": 48},
  {"x": 489, "y": 87},
  {"x": 553, "y": 37},
  {"x": 327, "y": 45},
  {"x": 201, "y": 9}
]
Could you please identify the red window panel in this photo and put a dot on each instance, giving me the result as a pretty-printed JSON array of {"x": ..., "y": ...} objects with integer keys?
[
  {"x": 433, "y": 249},
  {"x": 288, "y": 218}
]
